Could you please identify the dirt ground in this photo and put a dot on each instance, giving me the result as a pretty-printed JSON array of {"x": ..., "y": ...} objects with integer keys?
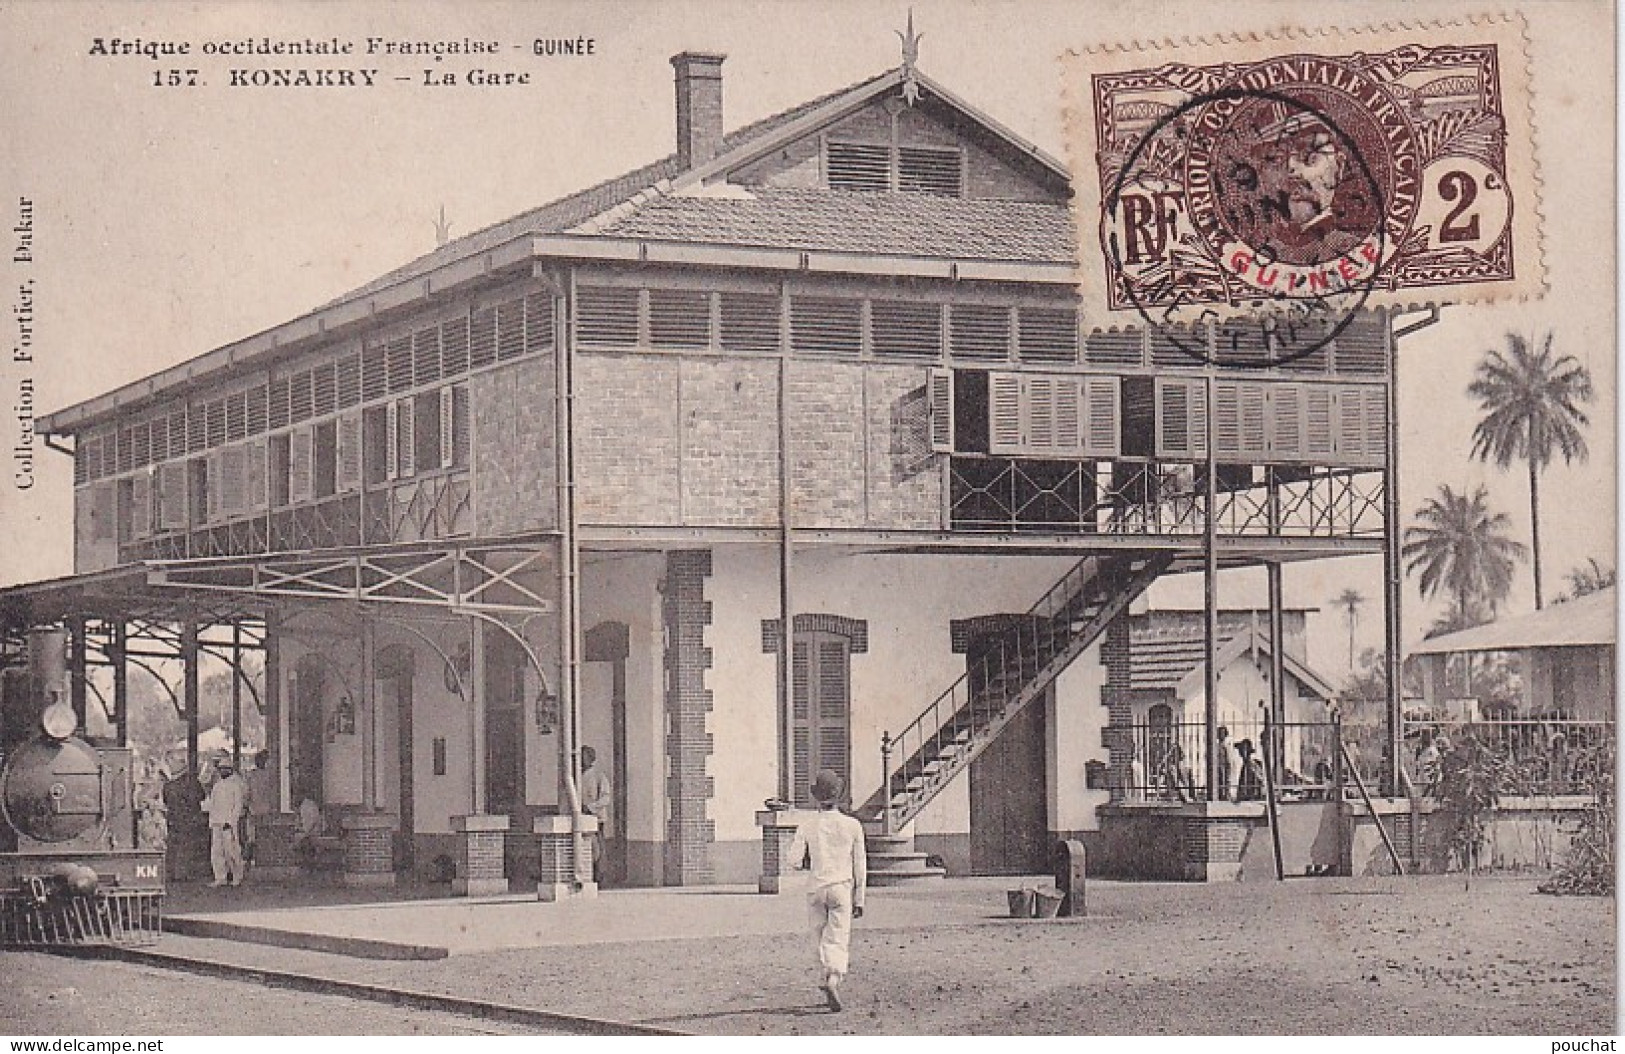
[{"x": 1325, "y": 956}]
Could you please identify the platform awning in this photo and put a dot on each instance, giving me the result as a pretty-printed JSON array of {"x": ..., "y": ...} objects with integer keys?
[
  {"x": 1588, "y": 621},
  {"x": 515, "y": 574}
]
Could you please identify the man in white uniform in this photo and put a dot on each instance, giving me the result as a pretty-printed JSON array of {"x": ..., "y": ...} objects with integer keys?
[
  {"x": 832, "y": 844},
  {"x": 598, "y": 800},
  {"x": 226, "y": 804}
]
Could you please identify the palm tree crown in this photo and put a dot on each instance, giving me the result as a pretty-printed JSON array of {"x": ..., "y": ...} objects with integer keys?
[
  {"x": 1531, "y": 402},
  {"x": 1351, "y": 601},
  {"x": 1460, "y": 548}
]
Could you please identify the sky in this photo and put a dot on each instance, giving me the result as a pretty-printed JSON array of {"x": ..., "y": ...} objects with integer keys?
[{"x": 170, "y": 220}]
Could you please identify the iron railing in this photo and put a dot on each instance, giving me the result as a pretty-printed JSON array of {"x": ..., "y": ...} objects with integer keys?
[
  {"x": 1532, "y": 756},
  {"x": 1009, "y": 494},
  {"x": 1166, "y": 762},
  {"x": 954, "y": 726}
]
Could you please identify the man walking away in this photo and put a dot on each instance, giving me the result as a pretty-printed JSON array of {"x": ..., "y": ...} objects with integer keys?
[
  {"x": 226, "y": 803},
  {"x": 831, "y": 843}
]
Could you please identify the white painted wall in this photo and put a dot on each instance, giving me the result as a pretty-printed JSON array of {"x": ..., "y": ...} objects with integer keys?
[{"x": 624, "y": 587}]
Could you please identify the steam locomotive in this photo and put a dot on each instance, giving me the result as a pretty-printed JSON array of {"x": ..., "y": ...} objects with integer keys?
[{"x": 70, "y": 869}]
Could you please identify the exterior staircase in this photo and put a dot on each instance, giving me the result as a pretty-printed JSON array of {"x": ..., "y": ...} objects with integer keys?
[{"x": 1015, "y": 668}]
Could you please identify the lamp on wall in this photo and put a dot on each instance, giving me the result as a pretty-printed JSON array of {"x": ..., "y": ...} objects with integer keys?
[{"x": 457, "y": 669}]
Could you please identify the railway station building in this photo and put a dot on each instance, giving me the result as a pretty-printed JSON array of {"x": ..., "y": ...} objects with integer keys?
[{"x": 787, "y": 451}]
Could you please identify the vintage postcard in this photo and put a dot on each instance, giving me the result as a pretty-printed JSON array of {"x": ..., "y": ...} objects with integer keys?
[{"x": 981, "y": 517}]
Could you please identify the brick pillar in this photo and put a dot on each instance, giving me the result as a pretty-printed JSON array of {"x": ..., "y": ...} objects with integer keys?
[
  {"x": 555, "y": 852},
  {"x": 1215, "y": 836},
  {"x": 369, "y": 855},
  {"x": 778, "y": 828},
  {"x": 481, "y": 855},
  {"x": 274, "y": 857},
  {"x": 690, "y": 832},
  {"x": 1114, "y": 694}
]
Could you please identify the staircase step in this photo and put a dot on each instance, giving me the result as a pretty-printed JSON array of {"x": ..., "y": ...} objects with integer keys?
[
  {"x": 903, "y": 861},
  {"x": 888, "y": 843},
  {"x": 904, "y": 878}
]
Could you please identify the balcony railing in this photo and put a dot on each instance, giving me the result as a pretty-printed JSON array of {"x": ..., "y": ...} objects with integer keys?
[
  {"x": 1008, "y": 494},
  {"x": 1166, "y": 762}
]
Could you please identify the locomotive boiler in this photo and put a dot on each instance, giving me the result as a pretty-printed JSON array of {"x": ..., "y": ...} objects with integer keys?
[{"x": 70, "y": 868}]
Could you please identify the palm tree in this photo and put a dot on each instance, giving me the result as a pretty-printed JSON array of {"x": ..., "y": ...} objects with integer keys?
[
  {"x": 1351, "y": 601},
  {"x": 1460, "y": 548},
  {"x": 1591, "y": 577},
  {"x": 1531, "y": 405}
]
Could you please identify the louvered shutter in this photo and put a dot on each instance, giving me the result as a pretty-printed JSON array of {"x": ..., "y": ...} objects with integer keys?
[
  {"x": 448, "y": 417},
  {"x": 406, "y": 438},
  {"x": 347, "y": 453},
  {"x": 301, "y": 466},
  {"x": 141, "y": 505},
  {"x": 214, "y": 475},
  {"x": 1285, "y": 406},
  {"x": 233, "y": 480},
  {"x": 801, "y": 692},
  {"x": 1181, "y": 418},
  {"x": 1037, "y": 396},
  {"x": 172, "y": 496},
  {"x": 1226, "y": 419},
  {"x": 255, "y": 454},
  {"x": 1102, "y": 429},
  {"x": 940, "y": 394},
  {"x": 1004, "y": 413},
  {"x": 1067, "y": 414},
  {"x": 834, "y": 706},
  {"x": 1350, "y": 424},
  {"x": 1253, "y": 426},
  {"x": 1376, "y": 424},
  {"x": 1319, "y": 437},
  {"x": 460, "y": 439},
  {"x": 392, "y": 446}
]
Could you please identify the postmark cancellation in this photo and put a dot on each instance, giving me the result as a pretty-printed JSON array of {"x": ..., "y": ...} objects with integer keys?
[{"x": 1319, "y": 171}]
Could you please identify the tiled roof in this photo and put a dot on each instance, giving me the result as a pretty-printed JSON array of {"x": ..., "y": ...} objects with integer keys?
[
  {"x": 1163, "y": 657},
  {"x": 905, "y": 224},
  {"x": 575, "y": 209}
]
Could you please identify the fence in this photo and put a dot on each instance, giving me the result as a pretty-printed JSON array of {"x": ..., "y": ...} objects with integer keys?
[
  {"x": 1167, "y": 761},
  {"x": 1532, "y": 756}
]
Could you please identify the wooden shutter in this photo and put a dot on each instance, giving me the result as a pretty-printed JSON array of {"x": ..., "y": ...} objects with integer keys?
[
  {"x": 1226, "y": 418},
  {"x": 821, "y": 693},
  {"x": 233, "y": 477},
  {"x": 1181, "y": 418},
  {"x": 940, "y": 411},
  {"x": 1376, "y": 424},
  {"x": 141, "y": 505},
  {"x": 461, "y": 441},
  {"x": 215, "y": 476},
  {"x": 834, "y": 695},
  {"x": 1319, "y": 437},
  {"x": 801, "y": 692},
  {"x": 392, "y": 446},
  {"x": 1004, "y": 413},
  {"x": 1285, "y": 414},
  {"x": 172, "y": 496},
  {"x": 255, "y": 477},
  {"x": 1253, "y": 421},
  {"x": 406, "y": 438},
  {"x": 1351, "y": 430},
  {"x": 301, "y": 466},
  {"x": 448, "y": 418},
  {"x": 1103, "y": 429},
  {"x": 347, "y": 453}
]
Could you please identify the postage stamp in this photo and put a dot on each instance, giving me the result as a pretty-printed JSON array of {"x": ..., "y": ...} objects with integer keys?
[{"x": 1306, "y": 173}]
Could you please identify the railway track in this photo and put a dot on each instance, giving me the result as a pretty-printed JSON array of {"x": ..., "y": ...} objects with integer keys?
[{"x": 477, "y": 1009}]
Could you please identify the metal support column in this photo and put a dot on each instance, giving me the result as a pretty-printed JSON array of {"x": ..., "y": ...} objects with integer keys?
[
  {"x": 121, "y": 683},
  {"x": 77, "y": 695},
  {"x": 236, "y": 697},
  {"x": 1210, "y": 601},
  {"x": 1392, "y": 572},
  {"x": 272, "y": 680},
  {"x": 786, "y": 688},
  {"x": 1277, "y": 744},
  {"x": 366, "y": 721},
  {"x": 189, "y": 691}
]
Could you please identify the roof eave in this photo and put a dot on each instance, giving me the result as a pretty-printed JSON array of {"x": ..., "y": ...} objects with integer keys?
[{"x": 341, "y": 319}]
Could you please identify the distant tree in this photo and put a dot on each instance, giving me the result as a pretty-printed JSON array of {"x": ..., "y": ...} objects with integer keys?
[
  {"x": 1351, "y": 601},
  {"x": 1461, "y": 549},
  {"x": 1590, "y": 577},
  {"x": 1531, "y": 404}
]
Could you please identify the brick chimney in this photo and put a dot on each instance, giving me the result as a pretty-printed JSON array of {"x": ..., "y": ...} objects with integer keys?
[{"x": 699, "y": 106}]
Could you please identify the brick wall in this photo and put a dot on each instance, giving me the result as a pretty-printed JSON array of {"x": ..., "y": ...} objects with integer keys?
[
  {"x": 826, "y": 444},
  {"x": 904, "y": 478},
  {"x": 626, "y": 438},
  {"x": 511, "y": 412},
  {"x": 690, "y": 832},
  {"x": 1114, "y": 655},
  {"x": 730, "y": 450}
]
